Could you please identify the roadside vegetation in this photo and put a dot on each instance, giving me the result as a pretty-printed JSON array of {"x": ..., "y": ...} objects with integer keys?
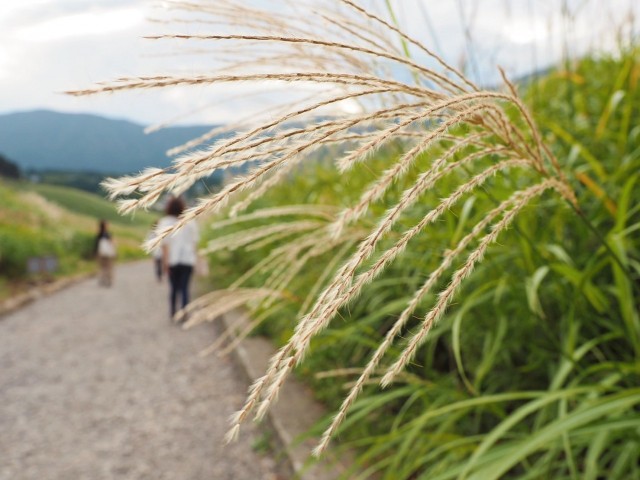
[
  {"x": 457, "y": 277},
  {"x": 47, "y": 221},
  {"x": 533, "y": 372}
]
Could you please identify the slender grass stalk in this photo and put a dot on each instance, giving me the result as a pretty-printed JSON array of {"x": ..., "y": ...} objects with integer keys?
[{"x": 607, "y": 247}]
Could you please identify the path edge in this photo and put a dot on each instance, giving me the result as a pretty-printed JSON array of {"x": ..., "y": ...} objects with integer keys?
[
  {"x": 16, "y": 302},
  {"x": 295, "y": 412}
]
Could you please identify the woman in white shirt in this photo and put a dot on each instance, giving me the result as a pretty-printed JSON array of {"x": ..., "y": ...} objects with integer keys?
[{"x": 179, "y": 253}]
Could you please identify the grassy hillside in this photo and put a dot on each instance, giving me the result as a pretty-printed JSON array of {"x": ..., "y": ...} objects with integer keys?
[
  {"x": 41, "y": 220},
  {"x": 84, "y": 203}
]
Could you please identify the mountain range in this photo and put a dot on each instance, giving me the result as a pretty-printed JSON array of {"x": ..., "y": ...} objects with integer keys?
[{"x": 44, "y": 140}]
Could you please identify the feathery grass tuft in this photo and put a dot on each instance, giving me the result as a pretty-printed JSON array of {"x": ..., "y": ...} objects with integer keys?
[{"x": 350, "y": 54}]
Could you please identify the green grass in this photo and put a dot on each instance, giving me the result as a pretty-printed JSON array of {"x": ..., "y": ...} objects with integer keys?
[
  {"x": 534, "y": 370},
  {"x": 84, "y": 203}
]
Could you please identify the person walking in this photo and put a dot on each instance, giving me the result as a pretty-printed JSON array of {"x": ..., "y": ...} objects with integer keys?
[
  {"x": 179, "y": 253},
  {"x": 156, "y": 253},
  {"x": 105, "y": 252}
]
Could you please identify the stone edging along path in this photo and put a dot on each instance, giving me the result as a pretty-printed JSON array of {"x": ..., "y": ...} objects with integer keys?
[
  {"x": 295, "y": 412},
  {"x": 13, "y": 303}
]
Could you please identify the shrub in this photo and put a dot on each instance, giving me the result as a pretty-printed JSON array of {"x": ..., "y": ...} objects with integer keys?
[{"x": 17, "y": 245}]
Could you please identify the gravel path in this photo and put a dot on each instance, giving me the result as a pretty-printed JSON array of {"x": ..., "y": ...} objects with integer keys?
[{"x": 96, "y": 384}]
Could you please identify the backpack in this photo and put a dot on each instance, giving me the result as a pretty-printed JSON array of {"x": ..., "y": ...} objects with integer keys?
[{"x": 106, "y": 248}]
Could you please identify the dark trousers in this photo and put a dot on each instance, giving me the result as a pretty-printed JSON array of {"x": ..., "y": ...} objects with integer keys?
[
  {"x": 179, "y": 277},
  {"x": 158, "y": 267}
]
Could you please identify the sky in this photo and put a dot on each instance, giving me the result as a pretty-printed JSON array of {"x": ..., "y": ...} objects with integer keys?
[{"x": 50, "y": 46}]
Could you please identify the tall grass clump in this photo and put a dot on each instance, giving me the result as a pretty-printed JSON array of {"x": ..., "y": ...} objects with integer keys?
[{"x": 401, "y": 200}]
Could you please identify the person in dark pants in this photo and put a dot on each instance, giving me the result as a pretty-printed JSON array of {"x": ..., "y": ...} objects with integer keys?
[
  {"x": 179, "y": 253},
  {"x": 179, "y": 278},
  {"x": 105, "y": 253}
]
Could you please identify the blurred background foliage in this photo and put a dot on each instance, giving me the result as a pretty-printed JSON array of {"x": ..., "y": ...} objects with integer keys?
[{"x": 38, "y": 220}]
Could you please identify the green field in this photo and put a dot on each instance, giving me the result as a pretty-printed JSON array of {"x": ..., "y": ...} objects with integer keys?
[
  {"x": 43, "y": 220},
  {"x": 87, "y": 204}
]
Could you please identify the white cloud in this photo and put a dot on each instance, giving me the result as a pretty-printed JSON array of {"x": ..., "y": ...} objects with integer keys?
[
  {"x": 82, "y": 24},
  {"x": 525, "y": 32},
  {"x": 519, "y": 36},
  {"x": 49, "y": 46},
  {"x": 12, "y": 10}
]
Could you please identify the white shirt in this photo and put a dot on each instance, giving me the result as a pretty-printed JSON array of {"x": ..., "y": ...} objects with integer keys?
[
  {"x": 182, "y": 244},
  {"x": 157, "y": 251}
]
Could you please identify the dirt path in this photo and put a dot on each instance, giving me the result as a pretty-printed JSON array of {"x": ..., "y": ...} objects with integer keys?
[{"x": 96, "y": 384}]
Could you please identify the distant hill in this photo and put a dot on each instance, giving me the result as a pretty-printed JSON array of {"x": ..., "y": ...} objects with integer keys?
[{"x": 46, "y": 140}]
